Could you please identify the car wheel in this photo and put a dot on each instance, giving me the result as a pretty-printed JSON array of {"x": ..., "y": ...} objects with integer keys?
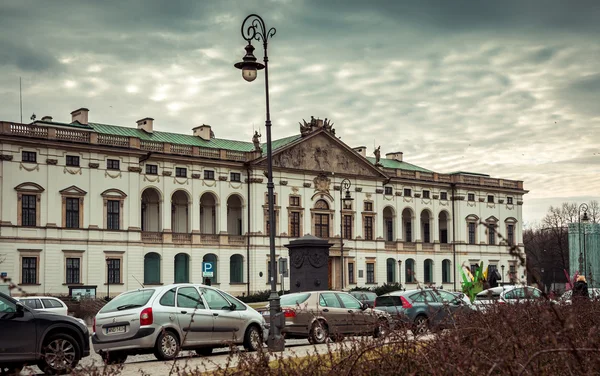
[
  {"x": 253, "y": 339},
  {"x": 60, "y": 354},
  {"x": 421, "y": 325},
  {"x": 319, "y": 332},
  {"x": 204, "y": 351},
  {"x": 167, "y": 346},
  {"x": 382, "y": 329},
  {"x": 114, "y": 357}
]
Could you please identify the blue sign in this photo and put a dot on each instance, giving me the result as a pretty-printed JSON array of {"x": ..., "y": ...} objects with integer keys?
[
  {"x": 207, "y": 269},
  {"x": 3, "y": 275}
]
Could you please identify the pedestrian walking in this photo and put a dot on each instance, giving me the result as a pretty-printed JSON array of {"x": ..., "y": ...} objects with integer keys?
[{"x": 580, "y": 289}]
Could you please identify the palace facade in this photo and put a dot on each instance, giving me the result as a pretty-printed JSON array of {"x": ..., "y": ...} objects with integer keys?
[{"x": 91, "y": 205}]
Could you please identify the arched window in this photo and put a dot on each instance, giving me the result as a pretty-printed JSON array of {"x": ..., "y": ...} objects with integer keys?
[
  {"x": 446, "y": 271},
  {"x": 428, "y": 271},
  {"x": 211, "y": 257},
  {"x": 409, "y": 270},
  {"x": 151, "y": 268},
  {"x": 208, "y": 213},
  {"x": 426, "y": 226},
  {"x": 407, "y": 224},
  {"x": 182, "y": 268},
  {"x": 321, "y": 219},
  {"x": 391, "y": 270},
  {"x": 151, "y": 210},
  {"x": 236, "y": 269},
  {"x": 234, "y": 215}
]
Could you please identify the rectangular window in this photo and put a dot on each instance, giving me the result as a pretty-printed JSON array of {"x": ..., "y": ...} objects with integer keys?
[
  {"x": 28, "y": 210},
  {"x": 209, "y": 175},
  {"x": 322, "y": 225},
  {"x": 29, "y": 270},
  {"x": 113, "y": 208},
  {"x": 73, "y": 268},
  {"x": 471, "y": 232},
  {"x": 426, "y": 233},
  {"x": 509, "y": 200},
  {"x": 388, "y": 191},
  {"x": 368, "y": 228},
  {"x": 512, "y": 272},
  {"x": 490, "y": 199},
  {"x": 269, "y": 226},
  {"x": 72, "y": 160},
  {"x": 446, "y": 271},
  {"x": 370, "y": 272},
  {"x": 368, "y": 206},
  {"x": 408, "y": 228},
  {"x": 113, "y": 164},
  {"x": 510, "y": 234},
  {"x": 29, "y": 156},
  {"x": 351, "y": 273},
  {"x": 425, "y": 194},
  {"x": 471, "y": 197},
  {"x": 114, "y": 270},
  {"x": 181, "y": 172},
  {"x": 347, "y": 227},
  {"x": 474, "y": 267},
  {"x": 72, "y": 212},
  {"x": 407, "y": 192},
  {"x": 491, "y": 234},
  {"x": 295, "y": 224},
  {"x": 294, "y": 201},
  {"x": 151, "y": 169},
  {"x": 443, "y": 195},
  {"x": 235, "y": 176}
]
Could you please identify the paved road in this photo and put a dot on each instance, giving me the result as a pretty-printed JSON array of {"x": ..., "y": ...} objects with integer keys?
[{"x": 148, "y": 364}]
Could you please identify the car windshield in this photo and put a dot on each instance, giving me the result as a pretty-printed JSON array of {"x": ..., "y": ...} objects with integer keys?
[
  {"x": 370, "y": 295},
  {"x": 129, "y": 300},
  {"x": 293, "y": 299}
]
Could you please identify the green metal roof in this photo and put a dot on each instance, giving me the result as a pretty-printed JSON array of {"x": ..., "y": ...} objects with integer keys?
[
  {"x": 276, "y": 144},
  {"x": 392, "y": 163},
  {"x": 173, "y": 138}
]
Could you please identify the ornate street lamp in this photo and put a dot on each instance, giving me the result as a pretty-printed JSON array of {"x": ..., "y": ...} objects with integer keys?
[
  {"x": 254, "y": 27},
  {"x": 344, "y": 185},
  {"x": 502, "y": 279},
  {"x": 582, "y": 254}
]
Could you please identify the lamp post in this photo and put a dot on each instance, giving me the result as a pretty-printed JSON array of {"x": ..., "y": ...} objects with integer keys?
[
  {"x": 254, "y": 27},
  {"x": 344, "y": 185},
  {"x": 502, "y": 279},
  {"x": 582, "y": 255}
]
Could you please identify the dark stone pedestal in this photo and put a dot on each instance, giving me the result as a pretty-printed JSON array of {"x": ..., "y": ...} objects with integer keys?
[{"x": 309, "y": 264}]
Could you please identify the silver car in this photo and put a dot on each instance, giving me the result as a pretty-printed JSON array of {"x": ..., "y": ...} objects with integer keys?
[{"x": 166, "y": 319}]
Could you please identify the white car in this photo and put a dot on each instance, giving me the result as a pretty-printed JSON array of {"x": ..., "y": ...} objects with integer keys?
[
  {"x": 565, "y": 298},
  {"x": 45, "y": 304},
  {"x": 506, "y": 295}
]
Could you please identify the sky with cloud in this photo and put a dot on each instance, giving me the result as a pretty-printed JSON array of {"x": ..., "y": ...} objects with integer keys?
[{"x": 507, "y": 88}]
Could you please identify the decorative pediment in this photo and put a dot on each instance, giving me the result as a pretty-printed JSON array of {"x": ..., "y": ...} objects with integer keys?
[
  {"x": 73, "y": 191},
  {"x": 472, "y": 217},
  {"x": 322, "y": 152},
  {"x": 113, "y": 193},
  {"x": 510, "y": 220},
  {"x": 29, "y": 188},
  {"x": 492, "y": 219}
]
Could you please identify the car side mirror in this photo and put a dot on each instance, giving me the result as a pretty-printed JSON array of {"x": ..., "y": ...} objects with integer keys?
[
  {"x": 363, "y": 306},
  {"x": 232, "y": 307},
  {"x": 20, "y": 310}
]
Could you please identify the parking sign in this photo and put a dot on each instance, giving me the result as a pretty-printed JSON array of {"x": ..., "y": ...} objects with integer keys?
[{"x": 207, "y": 269}]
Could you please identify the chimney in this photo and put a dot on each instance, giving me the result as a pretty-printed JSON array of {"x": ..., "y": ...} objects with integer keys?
[
  {"x": 145, "y": 124},
  {"x": 80, "y": 116},
  {"x": 362, "y": 150},
  {"x": 47, "y": 118},
  {"x": 202, "y": 131},
  {"x": 397, "y": 156}
]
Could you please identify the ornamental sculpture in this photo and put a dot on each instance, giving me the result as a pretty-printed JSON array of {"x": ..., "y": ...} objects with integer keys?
[
  {"x": 314, "y": 124},
  {"x": 256, "y": 141}
]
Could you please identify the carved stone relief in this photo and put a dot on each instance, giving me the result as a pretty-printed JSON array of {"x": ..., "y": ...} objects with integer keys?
[{"x": 322, "y": 154}]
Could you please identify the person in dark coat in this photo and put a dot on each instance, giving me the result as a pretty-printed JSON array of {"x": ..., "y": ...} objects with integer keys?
[{"x": 580, "y": 289}]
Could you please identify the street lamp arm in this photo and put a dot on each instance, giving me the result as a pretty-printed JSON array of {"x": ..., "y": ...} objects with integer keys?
[{"x": 254, "y": 27}]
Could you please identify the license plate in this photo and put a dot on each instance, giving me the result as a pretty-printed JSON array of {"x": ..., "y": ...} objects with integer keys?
[{"x": 115, "y": 329}]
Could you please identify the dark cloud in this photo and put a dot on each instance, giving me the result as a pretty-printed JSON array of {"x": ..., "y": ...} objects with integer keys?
[{"x": 505, "y": 88}]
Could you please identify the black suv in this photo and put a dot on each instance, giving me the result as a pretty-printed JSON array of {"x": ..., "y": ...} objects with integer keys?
[{"x": 54, "y": 343}]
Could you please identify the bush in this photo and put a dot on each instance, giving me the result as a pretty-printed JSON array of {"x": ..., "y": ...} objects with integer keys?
[
  {"x": 380, "y": 290},
  {"x": 258, "y": 297}
]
